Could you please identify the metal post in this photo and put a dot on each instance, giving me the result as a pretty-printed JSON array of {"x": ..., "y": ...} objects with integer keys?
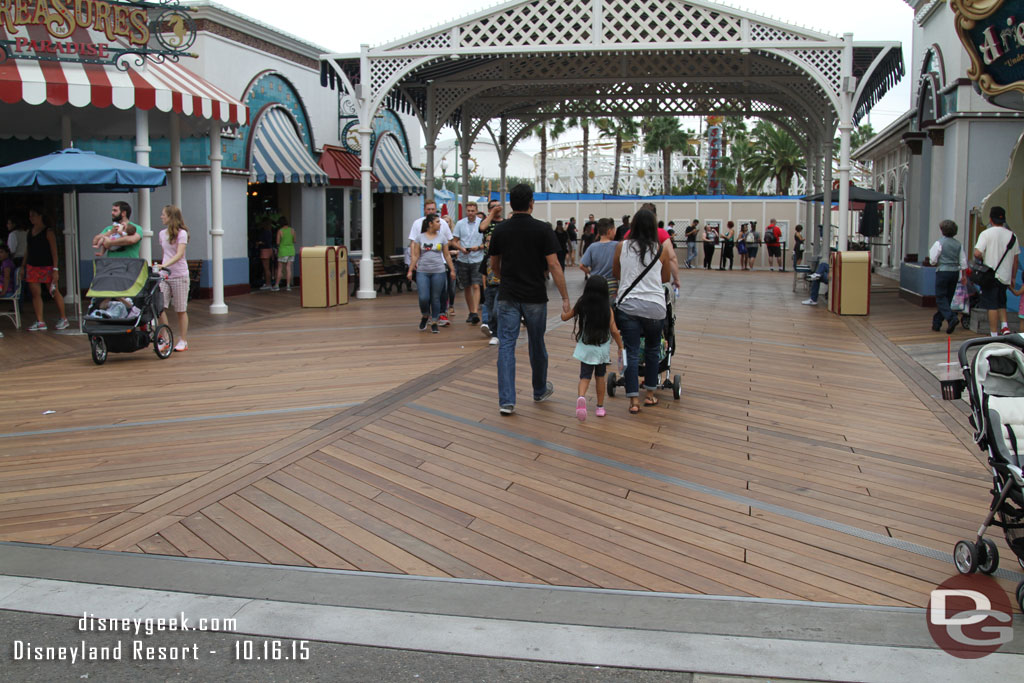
[
  {"x": 175, "y": 160},
  {"x": 218, "y": 307},
  {"x": 143, "y": 217}
]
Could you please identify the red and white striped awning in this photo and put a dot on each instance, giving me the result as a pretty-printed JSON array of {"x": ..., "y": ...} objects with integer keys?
[{"x": 166, "y": 87}]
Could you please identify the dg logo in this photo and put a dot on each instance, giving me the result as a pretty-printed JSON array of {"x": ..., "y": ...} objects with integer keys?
[{"x": 969, "y": 616}]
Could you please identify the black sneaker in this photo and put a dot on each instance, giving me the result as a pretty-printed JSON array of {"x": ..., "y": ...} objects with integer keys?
[
  {"x": 423, "y": 324},
  {"x": 507, "y": 410},
  {"x": 433, "y": 328},
  {"x": 952, "y": 325},
  {"x": 549, "y": 389},
  {"x": 469, "y": 319},
  {"x": 474, "y": 319}
]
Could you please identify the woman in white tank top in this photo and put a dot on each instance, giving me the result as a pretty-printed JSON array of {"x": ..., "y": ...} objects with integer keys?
[{"x": 641, "y": 310}]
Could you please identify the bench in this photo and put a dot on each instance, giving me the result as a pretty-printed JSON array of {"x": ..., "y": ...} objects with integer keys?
[
  {"x": 383, "y": 278},
  {"x": 195, "y": 271}
]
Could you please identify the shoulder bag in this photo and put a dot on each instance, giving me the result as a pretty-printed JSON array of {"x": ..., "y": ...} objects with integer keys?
[{"x": 984, "y": 276}]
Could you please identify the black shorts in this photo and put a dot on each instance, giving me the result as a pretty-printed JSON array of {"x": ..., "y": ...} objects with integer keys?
[
  {"x": 993, "y": 298},
  {"x": 774, "y": 250},
  {"x": 587, "y": 370}
]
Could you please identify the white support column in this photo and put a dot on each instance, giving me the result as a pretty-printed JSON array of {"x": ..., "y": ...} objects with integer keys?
[
  {"x": 175, "y": 160},
  {"x": 809, "y": 189},
  {"x": 826, "y": 218},
  {"x": 428, "y": 171},
  {"x": 142, "y": 214},
  {"x": 346, "y": 218},
  {"x": 504, "y": 153},
  {"x": 465, "y": 144},
  {"x": 845, "y": 129},
  {"x": 430, "y": 130},
  {"x": 71, "y": 239},
  {"x": 366, "y": 290},
  {"x": 218, "y": 307}
]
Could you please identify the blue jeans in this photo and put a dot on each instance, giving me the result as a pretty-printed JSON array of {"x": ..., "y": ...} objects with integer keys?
[
  {"x": 509, "y": 314},
  {"x": 632, "y": 329},
  {"x": 489, "y": 309},
  {"x": 816, "y": 284},
  {"x": 691, "y": 253},
  {"x": 945, "y": 288},
  {"x": 429, "y": 287}
]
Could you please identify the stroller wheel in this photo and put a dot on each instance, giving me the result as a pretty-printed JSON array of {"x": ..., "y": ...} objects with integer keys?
[
  {"x": 611, "y": 384},
  {"x": 989, "y": 562},
  {"x": 965, "y": 557},
  {"x": 677, "y": 387},
  {"x": 163, "y": 342},
  {"x": 99, "y": 350},
  {"x": 1020, "y": 595}
]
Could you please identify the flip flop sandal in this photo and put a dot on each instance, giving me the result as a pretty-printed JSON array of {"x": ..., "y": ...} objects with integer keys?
[
  {"x": 634, "y": 410},
  {"x": 648, "y": 402}
]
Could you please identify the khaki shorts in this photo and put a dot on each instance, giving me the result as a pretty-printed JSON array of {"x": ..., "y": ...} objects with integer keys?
[{"x": 175, "y": 290}]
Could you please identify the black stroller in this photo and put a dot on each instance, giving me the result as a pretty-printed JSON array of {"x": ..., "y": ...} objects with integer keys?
[
  {"x": 994, "y": 379},
  {"x": 668, "y": 349},
  {"x": 122, "y": 315}
]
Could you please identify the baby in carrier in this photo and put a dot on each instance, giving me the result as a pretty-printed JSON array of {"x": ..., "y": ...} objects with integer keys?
[{"x": 113, "y": 309}]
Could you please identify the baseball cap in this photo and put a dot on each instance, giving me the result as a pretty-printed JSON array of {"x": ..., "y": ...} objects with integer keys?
[{"x": 997, "y": 213}]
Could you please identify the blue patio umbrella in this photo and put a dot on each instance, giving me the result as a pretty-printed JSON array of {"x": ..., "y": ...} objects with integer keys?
[{"x": 74, "y": 170}]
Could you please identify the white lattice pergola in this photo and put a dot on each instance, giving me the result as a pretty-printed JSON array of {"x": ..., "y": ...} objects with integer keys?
[{"x": 508, "y": 68}]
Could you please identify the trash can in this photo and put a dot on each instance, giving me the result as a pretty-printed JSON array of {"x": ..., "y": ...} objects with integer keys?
[
  {"x": 850, "y": 282},
  {"x": 319, "y": 277}
]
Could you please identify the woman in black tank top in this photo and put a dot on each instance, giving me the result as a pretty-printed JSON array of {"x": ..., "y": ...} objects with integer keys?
[{"x": 40, "y": 269}]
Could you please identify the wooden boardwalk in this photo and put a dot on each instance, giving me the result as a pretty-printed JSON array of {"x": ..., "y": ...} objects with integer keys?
[{"x": 809, "y": 457}]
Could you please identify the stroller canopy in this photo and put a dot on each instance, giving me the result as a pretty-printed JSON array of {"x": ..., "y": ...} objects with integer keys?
[{"x": 117, "y": 277}]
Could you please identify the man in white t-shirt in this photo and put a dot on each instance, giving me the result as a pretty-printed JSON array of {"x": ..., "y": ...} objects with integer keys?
[
  {"x": 470, "y": 242},
  {"x": 430, "y": 206},
  {"x": 997, "y": 248}
]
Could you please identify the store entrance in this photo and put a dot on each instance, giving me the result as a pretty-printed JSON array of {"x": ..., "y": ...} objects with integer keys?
[{"x": 269, "y": 205}]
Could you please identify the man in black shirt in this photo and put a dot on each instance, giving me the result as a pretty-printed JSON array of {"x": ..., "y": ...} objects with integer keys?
[
  {"x": 691, "y": 242},
  {"x": 620, "y": 232},
  {"x": 522, "y": 249}
]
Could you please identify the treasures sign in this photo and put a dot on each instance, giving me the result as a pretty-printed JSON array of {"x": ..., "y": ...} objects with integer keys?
[
  {"x": 992, "y": 31},
  {"x": 96, "y": 31}
]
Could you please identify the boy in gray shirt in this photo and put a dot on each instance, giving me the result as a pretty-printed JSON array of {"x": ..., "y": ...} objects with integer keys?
[{"x": 598, "y": 258}]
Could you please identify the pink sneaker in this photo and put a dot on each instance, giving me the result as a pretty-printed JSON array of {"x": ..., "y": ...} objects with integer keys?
[
  {"x": 600, "y": 411},
  {"x": 581, "y": 409}
]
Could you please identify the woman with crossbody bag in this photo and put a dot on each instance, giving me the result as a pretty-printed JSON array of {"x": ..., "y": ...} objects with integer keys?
[{"x": 641, "y": 265}]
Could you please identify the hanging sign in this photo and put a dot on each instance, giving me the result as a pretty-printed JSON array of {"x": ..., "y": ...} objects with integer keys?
[
  {"x": 95, "y": 31},
  {"x": 992, "y": 32}
]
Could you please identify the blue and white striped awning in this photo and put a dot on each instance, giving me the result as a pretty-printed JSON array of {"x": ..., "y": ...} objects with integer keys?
[
  {"x": 392, "y": 170},
  {"x": 278, "y": 155}
]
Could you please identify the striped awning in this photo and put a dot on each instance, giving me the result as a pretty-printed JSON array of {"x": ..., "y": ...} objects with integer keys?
[
  {"x": 166, "y": 87},
  {"x": 393, "y": 171},
  {"x": 278, "y": 155}
]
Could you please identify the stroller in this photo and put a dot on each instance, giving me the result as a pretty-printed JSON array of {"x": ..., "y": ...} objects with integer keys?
[
  {"x": 994, "y": 380},
  {"x": 113, "y": 326},
  {"x": 668, "y": 349}
]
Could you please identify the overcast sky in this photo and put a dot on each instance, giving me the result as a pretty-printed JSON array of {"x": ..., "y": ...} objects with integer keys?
[{"x": 343, "y": 26}]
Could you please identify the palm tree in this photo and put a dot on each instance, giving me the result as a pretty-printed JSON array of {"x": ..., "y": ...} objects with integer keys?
[
  {"x": 664, "y": 134},
  {"x": 623, "y": 129},
  {"x": 557, "y": 127},
  {"x": 583, "y": 123},
  {"x": 736, "y": 165},
  {"x": 776, "y": 156}
]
